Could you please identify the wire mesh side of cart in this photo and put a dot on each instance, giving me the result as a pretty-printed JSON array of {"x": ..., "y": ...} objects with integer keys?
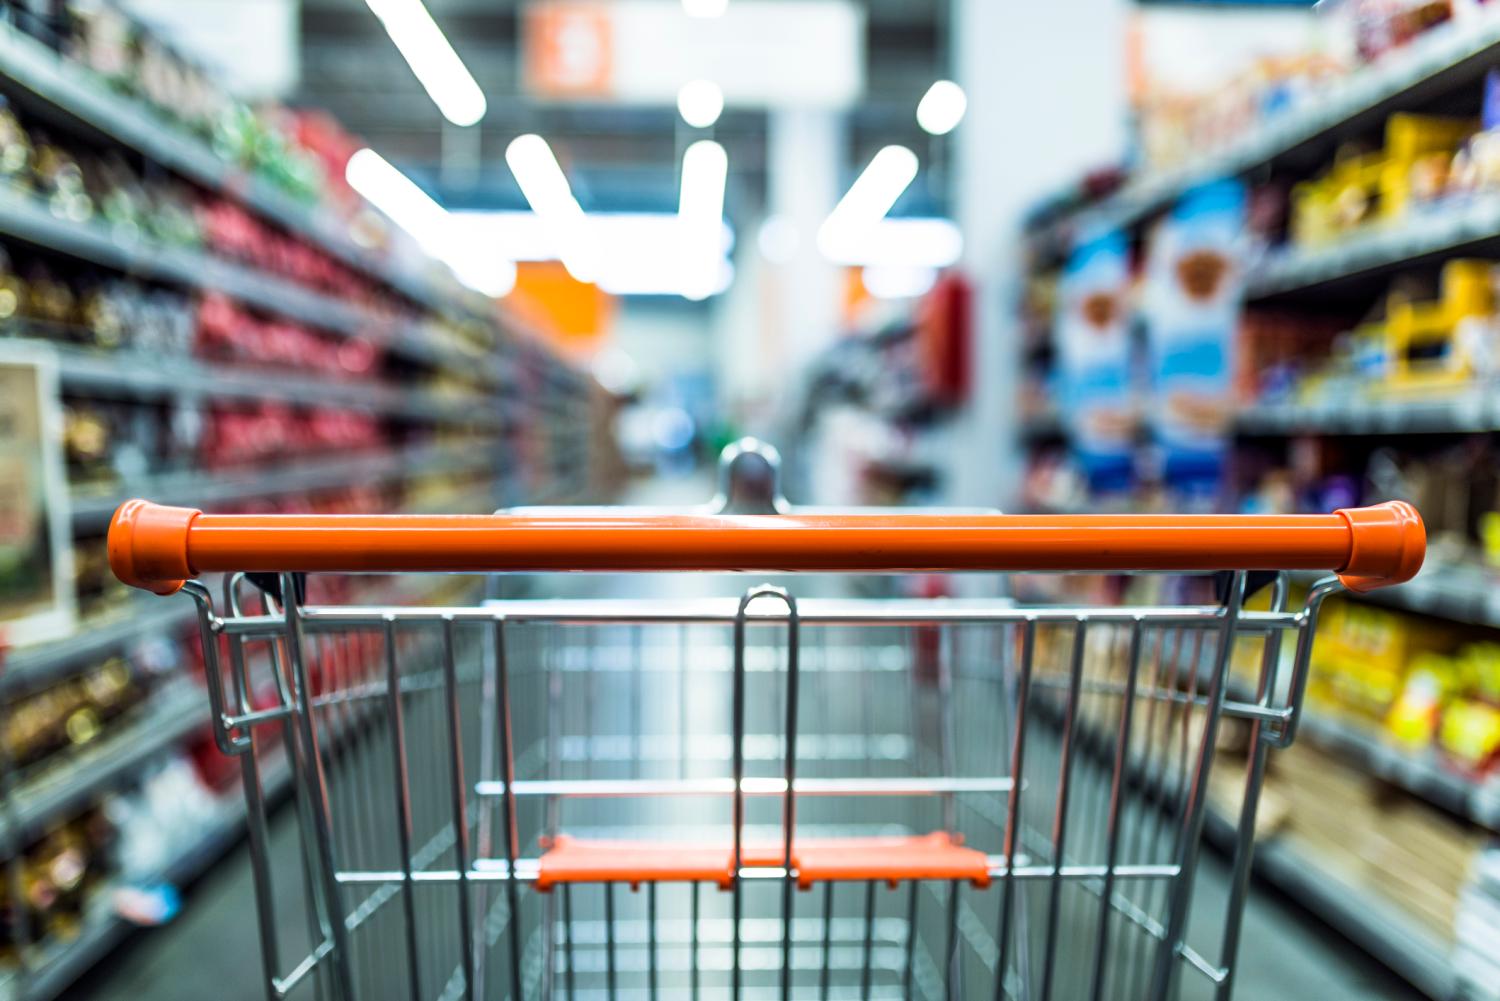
[{"x": 438, "y": 758}]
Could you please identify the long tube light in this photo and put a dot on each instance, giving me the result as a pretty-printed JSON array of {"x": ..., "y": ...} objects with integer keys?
[
  {"x": 427, "y": 51},
  {"x": 546, "y": 189},
  {"x": 869, "y": 198},
  {"x": 411, "y": 208},
  {"x": 700, "y": 212},
  {"x": 398, "y": 196}
]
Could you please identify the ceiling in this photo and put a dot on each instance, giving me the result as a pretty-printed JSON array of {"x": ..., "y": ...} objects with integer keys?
[{"x": 619, "y": 158}]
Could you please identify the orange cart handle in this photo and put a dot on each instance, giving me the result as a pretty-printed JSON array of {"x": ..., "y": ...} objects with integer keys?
[{"x": 157, "y": 548}]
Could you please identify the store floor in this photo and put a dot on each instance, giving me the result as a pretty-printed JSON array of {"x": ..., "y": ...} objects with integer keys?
[{"x": 211, "y": 950}]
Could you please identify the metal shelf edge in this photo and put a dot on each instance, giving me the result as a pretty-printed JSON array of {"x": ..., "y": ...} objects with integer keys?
[
  {"x": 1374, "y": 925},
  {"x": 29, "y": 666}
]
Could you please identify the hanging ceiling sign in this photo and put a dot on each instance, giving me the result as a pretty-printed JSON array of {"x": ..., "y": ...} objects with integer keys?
[{"x": 787, "y": 53}]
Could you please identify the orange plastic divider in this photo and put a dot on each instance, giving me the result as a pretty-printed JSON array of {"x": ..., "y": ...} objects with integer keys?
[
  {"x": 938, "y": 855},
  {"x": 575, "y": 860},
  {"x": 890, "y": 859}
]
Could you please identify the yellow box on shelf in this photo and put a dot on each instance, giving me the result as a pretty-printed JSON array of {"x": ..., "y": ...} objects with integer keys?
[
  {"x": 1412, "y": 141},
  {"x": 1423, "y": 338},
  {"x": 1362, "y": 654},
  {"x": 1368, "y": 186}
]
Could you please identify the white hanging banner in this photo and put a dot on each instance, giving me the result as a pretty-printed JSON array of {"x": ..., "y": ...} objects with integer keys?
[{"x": 786, "y": 53}]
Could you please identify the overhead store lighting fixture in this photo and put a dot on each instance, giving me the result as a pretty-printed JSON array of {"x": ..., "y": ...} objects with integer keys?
[
  {"x": 942, "y": 108},
  {"x": 635, "y": 253},
  {"x": 480, "y": 268},
  {"x": 437, "y": 67},
  {"x": 868, "y": 199},
  {"x": 705, "y": 8},
  {"x": 399, "y": 197},
  {"x": 700, "y": 102},
  {"x": 898, "y": 281},
  {"x": 700, "y": 212},
  {"x": 546, "y": 189},
  {"x": 900, "y": 243}
]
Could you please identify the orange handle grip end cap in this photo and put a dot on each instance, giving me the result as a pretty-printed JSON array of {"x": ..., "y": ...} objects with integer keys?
[
  {"x": 1388, "y": 544},
  {"x": 148, "y": 545}
]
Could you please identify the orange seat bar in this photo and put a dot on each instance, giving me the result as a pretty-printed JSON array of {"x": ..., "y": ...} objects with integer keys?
[
  {"x": 158, "y": 548},
  {"x": 816, "y": 860}
]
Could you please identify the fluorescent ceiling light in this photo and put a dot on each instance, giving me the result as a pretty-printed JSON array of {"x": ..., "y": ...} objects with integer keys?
[
  {"x": 705, "y": 8},
  {"x": 546, "y": 189},
  {"x": 911, "y": 243},
  {"x": 700, "y": 102},
  {"x": 898, "y": 281},
  {"x": 942, "y": 108},
  {"x": 635, "y": 253},
  {"x": 869, "y": 198},
  {"x": 700, "y": 209},
  {"x": 395, "y": 194},
  {"x": 429, "y": 224},
  {"x": 437, "y": 67}
]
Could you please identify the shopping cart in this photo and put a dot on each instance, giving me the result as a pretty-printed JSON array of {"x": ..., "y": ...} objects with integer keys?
[{"x": 768, "y": 795}]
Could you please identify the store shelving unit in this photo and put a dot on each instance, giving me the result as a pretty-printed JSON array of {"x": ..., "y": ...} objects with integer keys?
[
  {"x": 92, "y": 509},
  {"x": 33, "y": 667},
  {"x": 1448, "y": 59},
  {"x": 467, "y": 428},
  {"x": 134, "y": 375},
  {"x": 1443, "y": 58},
  {"x": 1370, "y": 922},
  {"x": 168, "y": 717},
  {"x": 23, "y": 218},
  {"x": 1418, "y": 771},
  {"x": 1465, "y": 411},
  {"x": 1469, "y": 227},
  {"x": 64, "y": 88}
]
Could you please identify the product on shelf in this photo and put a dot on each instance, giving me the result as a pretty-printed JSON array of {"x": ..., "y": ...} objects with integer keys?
[
  {"x": 72, "y": 713},
  {"x": 240, "y": 436},
  {"x": 228, "y": 332},
  {"x": 1381, "y": 184},
  {"x": 59, "y": 873},
  {"x": 106, "y": 40},
  {"x": 1421, "y": 341}
]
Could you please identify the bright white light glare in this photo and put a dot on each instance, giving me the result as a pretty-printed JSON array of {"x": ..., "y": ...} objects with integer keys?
[
  {"x": 705, "y": 8},
  {"x": 700, "y": 102},
  {"x": 395, "y": 194},
  {"x": 479, "y": 266},
  {"x": 869, "y": 198},
  {"x": 778, "y": 239},
  {"x": 494, "y": 277},
  {"x": 546, "y": 189},
  {"x": 437, "y": 67},
  {"x": 700, "y": 211},
  {"x": 911, "y": 243},
  {"x": 898, "y": 281},
  {"x": 635, "y": 253},
  {"x": 942, "y": 108}
]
